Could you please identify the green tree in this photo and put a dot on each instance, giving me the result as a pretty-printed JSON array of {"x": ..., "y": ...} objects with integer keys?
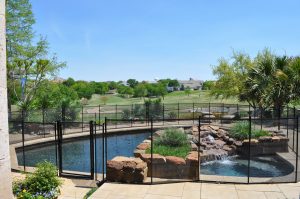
[
  {"x": 69, "y": 82},
  {"x": 140, "y": 91},
  {"x": 101, "y": 88},
  {"x": 84, "y": 89},
  {"x": 187, "y": 91},
  {"x": 132, "y": 83},
  {"x": 52, "y": 95},
  {"x": 112, "y": 85},
  {"x": 231, "y": 75},
  {"x": 161, "y": 90},
  {"x": 125, "y": 90},
  {"x": 26, "y": 59},
  {"x": 208, "y": 85}
]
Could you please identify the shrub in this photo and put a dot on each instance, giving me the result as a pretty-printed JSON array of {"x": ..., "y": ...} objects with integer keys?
[
  {"x": 240, "y": 131},
  {"x": 172, "y": 115},
  {"x": 173, "y": 142},
  {"x": 172, "y": 137},
  {"x": 43, "y": 183}
]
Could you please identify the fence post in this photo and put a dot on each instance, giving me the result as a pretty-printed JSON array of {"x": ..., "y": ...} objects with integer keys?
[
  {"x": 43, "y": 116},
  {"x": 261, "y": 115},
  {"x": 95, "y": 148},
  {"x": 193, "y": 112},
  {"x": 294, "y": 124},
  {"x": 92, "y": 156},
  {"x": 116, "y": 115},
  {"x": 297, "y": 149},
  {"x": 99, "y": 114},
  {"x": 55, "y": 143},
  {"x": 59, "y": 136},
  {"x": 103, "y": 150},
  {"x": 23, "y": 140},
  {"x": 178, "y": 112},
  {"x": 63, "y": 115},
  {"x": 163, "y": 112},
  {"x": 82, "y": 119},
  {"x": 209, "y": 112},
  {"x": 249, "y": 146},
  {"x": 287, "y": 122},
  {"x": 105, "y": 136},
  {"x": 279, "y": 118},
  {"x": 199, "y": 130},
  {"x": 131, "y": 112},
  {"x": 151, "y": 151}
]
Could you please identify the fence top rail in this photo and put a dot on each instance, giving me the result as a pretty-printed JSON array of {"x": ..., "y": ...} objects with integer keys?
[{"x": 26, "y": 122}]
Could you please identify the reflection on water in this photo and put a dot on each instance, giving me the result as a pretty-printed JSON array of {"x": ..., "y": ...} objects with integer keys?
[{"x": 76, "y": 154}]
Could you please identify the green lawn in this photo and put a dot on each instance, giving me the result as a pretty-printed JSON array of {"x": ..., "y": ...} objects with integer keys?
[{"x": 174, "y": 97}]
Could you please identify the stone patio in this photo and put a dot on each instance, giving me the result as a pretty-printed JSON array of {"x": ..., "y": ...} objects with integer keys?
[{"x": 194, "y": 190}]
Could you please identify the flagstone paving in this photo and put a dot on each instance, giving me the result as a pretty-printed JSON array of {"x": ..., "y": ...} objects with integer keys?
[{"x": 194, "y": 190}]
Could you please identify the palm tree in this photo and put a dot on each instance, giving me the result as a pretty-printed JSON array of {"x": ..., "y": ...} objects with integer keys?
[
  {"x": 5, "y": 168},
  {"x": 270, "y": 82}
]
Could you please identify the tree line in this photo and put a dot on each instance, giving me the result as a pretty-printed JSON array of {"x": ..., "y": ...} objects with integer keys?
[{"x": 266, "y": 81}]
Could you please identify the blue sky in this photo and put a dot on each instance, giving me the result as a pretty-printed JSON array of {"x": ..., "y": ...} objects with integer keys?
[{"x": 145, "y": 39}]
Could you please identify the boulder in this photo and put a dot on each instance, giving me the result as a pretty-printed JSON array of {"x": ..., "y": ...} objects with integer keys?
[
  {"x": 114, "y": 170},
  {"x": 205, "y": 128},
  {"x": 124, "y": 169},
  {"x": 204, "y": 134},
  {"x": 137, "y": 153},
  {"x": 143, "y": 146},
  {"x": 265, "y": 139},
  {"x": 214, "y": 127},
  {"x": 194, "y": 146},
  {"x": 192, "y": 159},
  {"x": 195, "y": 129},
  {"x": 230, "y": 141},
  {"x": 238, "y": 143},
  {"x": 220, "y": 143},
  {"x": 157, "y": 159},
  {"x": 175, "y": 160}
]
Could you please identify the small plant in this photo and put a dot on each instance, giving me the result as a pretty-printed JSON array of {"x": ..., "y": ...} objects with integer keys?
[
  {"x": 172, "y": 137},
  {"x": 173, "y": 142},
  {"x": 240, "y": 131},
  {"x": 42, "y": 184}
]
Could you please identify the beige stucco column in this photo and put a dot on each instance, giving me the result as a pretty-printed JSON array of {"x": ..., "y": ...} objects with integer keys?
[{"x": 5, "y": 169}]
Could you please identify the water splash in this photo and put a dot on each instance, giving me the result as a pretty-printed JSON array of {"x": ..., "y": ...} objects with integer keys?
[{"x": 211, "y": 138}]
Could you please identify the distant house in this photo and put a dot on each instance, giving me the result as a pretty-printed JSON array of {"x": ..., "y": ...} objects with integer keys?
[
  {"x": 112, "y": 92},
  {"x": 191, "y": 83},
  {"x": 58, "y": 80}
]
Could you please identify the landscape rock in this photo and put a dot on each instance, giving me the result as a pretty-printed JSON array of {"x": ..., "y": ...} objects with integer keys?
[
  {"x": 124, "y": 169},
  {"x": 143, "y": 146},
  {"x": 157, "y": 159},
  {"x": 175, "y": 160},
  {"x": 192, "y": 158}
]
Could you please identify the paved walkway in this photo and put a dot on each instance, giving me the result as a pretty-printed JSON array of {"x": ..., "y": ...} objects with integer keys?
[{"x": 197, "y": 191}]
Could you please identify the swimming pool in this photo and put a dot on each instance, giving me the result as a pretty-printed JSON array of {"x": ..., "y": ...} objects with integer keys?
[
  {"x": 262, "y": 166},
  {"x": 76, "y": 154}
]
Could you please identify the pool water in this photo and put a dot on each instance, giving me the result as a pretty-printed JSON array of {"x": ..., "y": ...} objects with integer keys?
[
  {"x": 76, "y": 154},
  {"x": 76, "y": 157},
  {"x": 263, "y": 166}
]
